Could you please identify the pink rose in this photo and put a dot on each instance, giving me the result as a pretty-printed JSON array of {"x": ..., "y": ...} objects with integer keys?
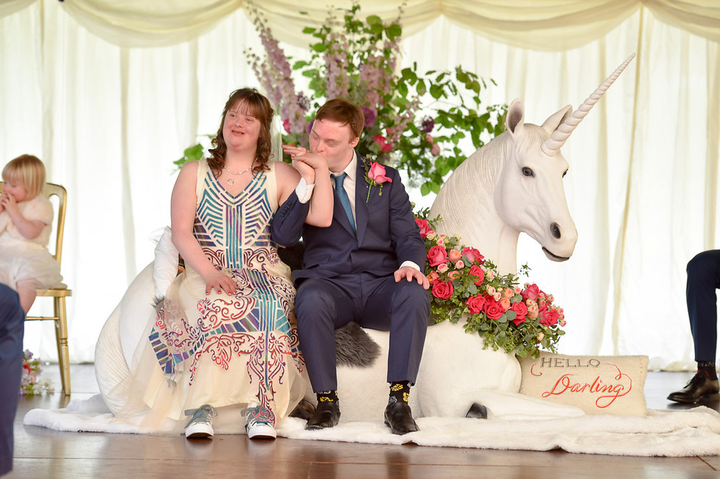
[
  {"x": 521, "y": 311},
  {"x": 436, "y": 255},
  {"x": 432, "y": 277},
  {"x": 472, "y": 254},
  {"x": 459, "y": 265},
  {"x": 531, "y": 291},
  {"x": 377, "y": 172},
  {"x": 505, "y": 303},
  {"x": 549, "y": 317},
  {"x": 435, "y": 149},
  {"x": 424, "y": 226},
  {"x": 454, "y": 255},
  {"x": 475, "y": 304},
  {"x": 442, "y": 289},
  {"x": 429, "y": 138},
  {"x": 479, "y": 274},
  {"x": 493, "y": 309},
  {"x": 453, "y": 274},
  {"x": 286, "y": 124},
  {"x": 384, "y": 145},
  {"x": 542, "y": 305},
  {"x": 443, "y": 268}
]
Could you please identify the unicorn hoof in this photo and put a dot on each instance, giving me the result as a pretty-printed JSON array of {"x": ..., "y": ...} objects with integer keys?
[
  {"x": 304, "y": 410},
  {"x": 477, "y": 411}
]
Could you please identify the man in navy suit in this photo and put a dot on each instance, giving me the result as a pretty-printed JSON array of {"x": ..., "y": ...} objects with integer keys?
[
  {"x": 12, "y": 327},
  {"x": 367, "y": 266}
]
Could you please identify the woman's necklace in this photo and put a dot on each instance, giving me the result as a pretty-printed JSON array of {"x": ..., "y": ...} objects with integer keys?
[{"x": 231, "y": 181}]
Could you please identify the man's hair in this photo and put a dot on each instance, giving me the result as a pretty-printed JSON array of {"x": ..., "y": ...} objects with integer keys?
[
  {"x": 344, "y": 112},
  {"x": 27, "y": 171}
]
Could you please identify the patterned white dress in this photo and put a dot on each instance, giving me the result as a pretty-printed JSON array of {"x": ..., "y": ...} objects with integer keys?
[
  {"x": 220, "y": 349},
  {"x": 23, "y": 259}
]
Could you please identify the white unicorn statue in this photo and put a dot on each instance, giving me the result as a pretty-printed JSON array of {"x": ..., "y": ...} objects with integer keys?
[
  {"x": 457, "y": 376},
  {"x": 514, "y": 184}
]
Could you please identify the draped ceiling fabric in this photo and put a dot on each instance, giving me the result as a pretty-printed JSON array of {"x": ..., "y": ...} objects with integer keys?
[
  {"x": 109, "y": 92},
  {"x": 550, "y": 25}
]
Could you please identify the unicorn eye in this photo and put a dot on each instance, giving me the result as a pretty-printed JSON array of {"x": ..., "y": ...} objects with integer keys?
[{"x": 528, "y": 172}]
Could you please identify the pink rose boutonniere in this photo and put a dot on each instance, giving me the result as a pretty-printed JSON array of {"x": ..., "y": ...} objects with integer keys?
[{"x": 375, "y": 176}]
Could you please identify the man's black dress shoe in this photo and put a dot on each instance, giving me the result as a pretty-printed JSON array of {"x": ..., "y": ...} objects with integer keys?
[
  {"x": 327, "y": 414},
  {"x": 398, "y": 417},
  {"x": 699, "y": 389}
]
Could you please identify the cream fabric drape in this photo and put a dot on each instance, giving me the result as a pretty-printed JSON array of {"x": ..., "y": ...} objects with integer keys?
[
  {"x": 108, "y": 120},
  {"x": 549, "y": 25},
  {"x": 8, "y": 7}
]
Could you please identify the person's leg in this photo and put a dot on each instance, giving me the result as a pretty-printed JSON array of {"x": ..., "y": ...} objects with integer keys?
[
  {"x": 402, "y": 308},
  {"x": 12, "y": 328},
  {"x": 27, "y": 292},
  {"x": 322, "y": 306},
  {"x": 703, "y": 278}
]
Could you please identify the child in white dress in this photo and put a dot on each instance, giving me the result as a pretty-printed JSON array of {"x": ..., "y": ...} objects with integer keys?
[{"x": 25, "y": 226}]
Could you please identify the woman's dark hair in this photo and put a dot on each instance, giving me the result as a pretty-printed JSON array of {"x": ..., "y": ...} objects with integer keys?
[{"x": 249, "y": 101}]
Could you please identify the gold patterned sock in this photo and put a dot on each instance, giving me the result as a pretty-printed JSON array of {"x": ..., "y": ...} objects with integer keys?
[
  {"x": 327, "y": 396},
  {"x": 399, "y": 392}
]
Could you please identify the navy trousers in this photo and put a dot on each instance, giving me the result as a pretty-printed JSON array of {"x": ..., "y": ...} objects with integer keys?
[
  {"x": 12, "y": 327},
  {"x": 703, "y": 278},
  {"x": 323, "y": 305}
]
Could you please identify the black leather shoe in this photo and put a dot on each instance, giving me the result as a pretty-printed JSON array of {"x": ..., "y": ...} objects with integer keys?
[
  {"x": 327, "y": 414},
  {"x": 398, "y": 417},
  {"x": 699, "y": 389}
]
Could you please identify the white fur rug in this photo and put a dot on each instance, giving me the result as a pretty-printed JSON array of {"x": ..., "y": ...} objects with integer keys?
[{"x": 694, "y": 432}]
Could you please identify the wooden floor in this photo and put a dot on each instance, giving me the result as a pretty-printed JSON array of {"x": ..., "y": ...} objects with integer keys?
[{"x": 43, "y": 453}]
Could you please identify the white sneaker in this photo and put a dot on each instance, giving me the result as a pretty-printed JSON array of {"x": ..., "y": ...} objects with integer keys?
[
  {"x": 259, "y": 423},
  {"x": 200, "y": 424}
]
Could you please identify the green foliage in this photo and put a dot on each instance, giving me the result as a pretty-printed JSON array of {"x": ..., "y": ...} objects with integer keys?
[{"x": 421, "y": 123}]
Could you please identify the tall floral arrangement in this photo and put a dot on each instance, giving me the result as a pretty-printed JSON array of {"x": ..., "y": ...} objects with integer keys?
[
  {"x": 463, "y": 284},
  {"x": 416, "y": 122}
]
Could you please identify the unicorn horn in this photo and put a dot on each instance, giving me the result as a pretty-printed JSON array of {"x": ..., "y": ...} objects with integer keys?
[{"x": 558, "y": 138}]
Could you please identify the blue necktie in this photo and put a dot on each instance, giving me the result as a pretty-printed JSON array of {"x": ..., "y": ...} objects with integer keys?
[{"x": 342, "y": 194}]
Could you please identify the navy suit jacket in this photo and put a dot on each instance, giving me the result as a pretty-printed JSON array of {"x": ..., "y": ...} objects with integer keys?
[{"x": 387, "y": 234}]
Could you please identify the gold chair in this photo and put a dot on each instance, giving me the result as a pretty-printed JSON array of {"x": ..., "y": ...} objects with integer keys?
[{"x": 58, "y": 293}]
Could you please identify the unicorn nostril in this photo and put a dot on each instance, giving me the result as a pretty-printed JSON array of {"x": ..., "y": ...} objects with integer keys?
[{"x": 555, "y": 229}]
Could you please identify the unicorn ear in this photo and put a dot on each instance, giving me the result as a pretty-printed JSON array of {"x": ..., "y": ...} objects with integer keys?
[
  {"x": 557, "y": 119},
  {"x": 514, "y": 120}
]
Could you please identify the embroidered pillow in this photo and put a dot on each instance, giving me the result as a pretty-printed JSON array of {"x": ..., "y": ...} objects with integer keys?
[{"x": 596, "y": 384}]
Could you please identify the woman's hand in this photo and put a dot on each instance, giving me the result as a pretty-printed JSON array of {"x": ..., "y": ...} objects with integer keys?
[
  {"x": 220, "y": 281},
  {"x": 306, "y": 163}
]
